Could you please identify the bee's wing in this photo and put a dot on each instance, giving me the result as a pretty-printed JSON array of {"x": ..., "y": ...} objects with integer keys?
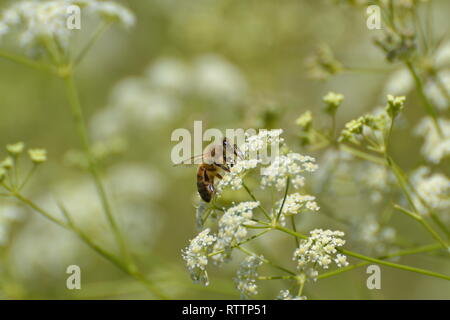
[
  {"x": 234, "y": 150},
  {"x": 238, "y": 152},
  {"x": 192, "y": 161}
]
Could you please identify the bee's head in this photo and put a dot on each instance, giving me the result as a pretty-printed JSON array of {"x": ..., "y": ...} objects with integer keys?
[{"x": 230, "y": 149}]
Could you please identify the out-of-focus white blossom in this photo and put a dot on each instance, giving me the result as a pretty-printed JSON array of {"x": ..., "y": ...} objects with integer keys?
[
  {"x": 399, "y": 83},
  {"x": 434, "y": 92},
  {"x": 170, "y": 74},
  {"x": 232, "y": 229},
  {"x": 442, "y": 55},
  {"x": 135, "y": 181},
  {"x": 218, "y": 79},
  {"x": 134, "y": 103},
  {"x": 436, "y": 146},
  {"x": 40, "y": 20},
  {"x": 371, "y": 236},
  {"x": 196, "y": 256},
  {"x": 319, "y": 250},
  {"x": 9, "y": 214},
  {"x": 247, "y": 275},
  {"x": 287, "y": 166},
  {"x": 377, "y": 179},
  {"x": 111, "y": 11},
  {"x": 433, "y": 189},
  {"x": 3, "y": 29}
]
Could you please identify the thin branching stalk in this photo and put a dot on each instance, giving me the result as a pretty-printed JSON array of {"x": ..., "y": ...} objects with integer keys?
[
  {"x": 375, "y": 260},
  {"x": 423, "y": 222},
  {"x": 430, "y": 109},
  {"x": 87, "y": 240},
  {"x": 82, "y": 133},
  {"x": 284, "y": 199}
]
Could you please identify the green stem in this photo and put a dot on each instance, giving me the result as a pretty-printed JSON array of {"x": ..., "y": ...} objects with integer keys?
[
  {"x": 38, "y": 209},
  {"x": 437, "y": 80},
  {"x": 30, "y": 173},
  {"x": 426, "y": 248},
  {"x": 27, "y": 62},
  {"x": 240, "y": 243},
  {"x": 292, "y": 233},
  {"x": 294, "y": 227},
  {"x": 284, "y": 199},
  {"x": 440, "y": 224},
  {"x": 366, "y": 258},
  {"x": 426, "y": 102},
  {"x": 277, "y": 277},
  {"x": 406, "y": 187},
  {"x": 401, "y": 180},
  {"x": 362, "y": 154},
  {"x": 266, "y": 261},
  {"x": 97, "y": 34},
  {"x": 82, "y": 133},
  {"x": 87, "y": 240},
  {"x": 395, "y": 265},
  {"x": 301, "y": 281},
  {"x": 264, "y": 211},
  {"x": 422, "y": 221}
]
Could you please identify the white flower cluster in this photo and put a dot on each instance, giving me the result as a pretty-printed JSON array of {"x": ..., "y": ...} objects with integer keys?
[
  {"x": 247, "y": 275},
  {"x": 196, "y": 256},
  {"x": 435, "y": 93},
  {"x": 376, "y": 178},
  {"x": 433, "y": 189},
  {"x": 287, "y": 166},
  {"x": 319, "y": 250},
  {"x": 261, "y": 141},
  {"x": 38, "y": 20},
  {"x": 286, "y": 295},
  {"x": 296, "y": 202},
  {"x": 252, "y": 146},
  {"x": 232, "y": 229},
  {"x": 436, "y": 145},
  {"x": 233, "y": 179}
]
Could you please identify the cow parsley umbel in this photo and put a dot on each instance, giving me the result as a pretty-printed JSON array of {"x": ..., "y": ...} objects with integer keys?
[
  {"x": 319, "y": 250},
  {"x": 196, "y": 256},
  {"x": 232, "y": 228},
  {"x": 246, "y": 221},
  {"x": 39, "y": 23},
  {"x": 247, "y": 275}
]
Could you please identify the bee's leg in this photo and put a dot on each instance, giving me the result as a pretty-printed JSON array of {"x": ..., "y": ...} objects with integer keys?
[
  {"x": 238, "y": 152},
  {"x": 223, "y": 166},
  {"x": 219, "y": 176}
]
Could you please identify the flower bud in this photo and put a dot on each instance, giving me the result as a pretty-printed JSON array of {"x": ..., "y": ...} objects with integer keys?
[
  {"x": 305, "y": 120},
  {"x": 394, "y": 106},
  {"x": 333, "y": 101},
  {"x": 38, "y": 155},
  {"x": 7, "y": 163},
  {"x": 15, "y": 149}
]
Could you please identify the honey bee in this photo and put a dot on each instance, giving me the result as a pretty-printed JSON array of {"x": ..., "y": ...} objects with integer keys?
[{"x": 217, "y": 158}]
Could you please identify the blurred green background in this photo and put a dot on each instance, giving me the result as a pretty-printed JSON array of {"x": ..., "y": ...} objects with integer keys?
[{"x": 231, "y": 64}]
